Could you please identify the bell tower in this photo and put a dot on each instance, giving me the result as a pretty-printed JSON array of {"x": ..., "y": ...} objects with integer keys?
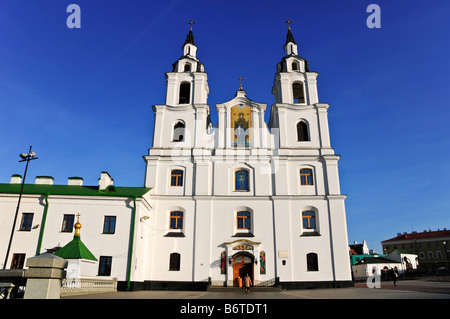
[
  {"x": 294, "y": 83},
  {"x": 188, "y": 82},
  {"x": 297, "y": 116},
  {"x": 182, "y": 125}
]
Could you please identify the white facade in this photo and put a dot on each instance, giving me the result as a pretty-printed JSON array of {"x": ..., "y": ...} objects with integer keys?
[
  {"x": 246, "y": 197},
  {"x": 208, "y": 195}
]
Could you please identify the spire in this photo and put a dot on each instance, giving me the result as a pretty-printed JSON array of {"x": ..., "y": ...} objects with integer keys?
[
  {"x": 190, "y": 35},
  {"x": 289, "y": 36},
  {"x": 290, "y": 47}
]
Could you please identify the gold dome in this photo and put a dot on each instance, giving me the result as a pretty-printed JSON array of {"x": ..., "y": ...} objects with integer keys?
[{"x": 77, "y": 226}]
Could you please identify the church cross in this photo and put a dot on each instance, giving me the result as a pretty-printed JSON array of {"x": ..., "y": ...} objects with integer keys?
[
  {"x": 289, "y": 21},
  {"x": 191, "y": 23},
  {"x": 240, "y": 79}
]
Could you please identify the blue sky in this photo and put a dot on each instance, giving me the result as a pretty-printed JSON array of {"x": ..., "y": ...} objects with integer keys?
[{"x": 82, "y": 97}]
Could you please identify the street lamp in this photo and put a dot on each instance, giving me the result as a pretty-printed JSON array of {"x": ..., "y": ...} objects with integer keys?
[
  {"x": 26, "y": 157},
  {"x": 446, "y": 254}
]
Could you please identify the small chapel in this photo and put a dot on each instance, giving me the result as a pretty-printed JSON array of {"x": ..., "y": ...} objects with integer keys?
[{"x": 220, "y": 202}]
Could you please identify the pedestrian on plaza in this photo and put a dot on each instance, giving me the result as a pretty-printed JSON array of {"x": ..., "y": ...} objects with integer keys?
[
  {"x": 394, "y": 276},
  {"x": 247, "y": 283}
]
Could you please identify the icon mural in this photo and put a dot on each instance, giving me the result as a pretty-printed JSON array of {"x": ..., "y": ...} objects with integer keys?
[{"x": 241, "y": 123}]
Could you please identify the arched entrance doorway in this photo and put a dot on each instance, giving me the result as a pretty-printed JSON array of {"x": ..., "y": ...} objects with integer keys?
[{"x": 242, "y": 265}]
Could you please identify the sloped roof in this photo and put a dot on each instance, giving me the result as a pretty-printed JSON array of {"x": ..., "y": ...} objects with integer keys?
[
  {"x": 113, "y": 191},
  {"x": 377, "y": 260},
  {"x": 75, "y": 249},
  {"x": 424, "y": 235}
]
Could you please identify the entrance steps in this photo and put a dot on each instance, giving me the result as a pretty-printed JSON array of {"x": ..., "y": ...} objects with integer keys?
[{"x": 237, "y": 289}]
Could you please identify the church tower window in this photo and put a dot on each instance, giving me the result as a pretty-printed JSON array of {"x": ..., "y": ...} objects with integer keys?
[
  {"x": 178, "y": 132},
  {"x": 302, "y": 131},
  {"x": 243, "y": 220},
  {"x": 176, "y": 177},
  {"x": 309, "y": 220},
  {"x": 187, "y": 67},
  {"x": 306, "y": 176},
  {"x": 185, "y": 93},
  {"x": 294, "y": 66},
  {"x": 297, "y": 91},
  {"x": 176, "y": 220},
  {"x": 312, "y": 262},
  {"x": 174, "y": 262},
  {"x": 241, "y": 182}
]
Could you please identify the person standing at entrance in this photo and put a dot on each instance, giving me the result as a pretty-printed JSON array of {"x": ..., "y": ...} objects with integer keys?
[{"x": 247, "y": 283}]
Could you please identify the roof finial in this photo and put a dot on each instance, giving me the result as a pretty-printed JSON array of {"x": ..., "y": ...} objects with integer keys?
[
  {"x": 288, "y": 21},
  {"x": 190, "y": 35},
  {"x": 77, "y": 226},
  {"x": 191, "y": 23},
  {"x": 289, "y": 36},
  {"x": 240, "y": 79}
]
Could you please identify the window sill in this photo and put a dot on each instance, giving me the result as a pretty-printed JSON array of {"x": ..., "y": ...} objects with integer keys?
[
  {"x": 243, "y": 235},
  {"x": 310, "y": 233},
  {"x": 174, "y": 234}
]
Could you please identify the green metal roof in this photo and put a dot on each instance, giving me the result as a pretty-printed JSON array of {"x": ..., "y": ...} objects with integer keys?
[
  {"x": 376, "y": 260},
  {"x": 43, "y": 189},
  {"x": 75, "y": 249}
]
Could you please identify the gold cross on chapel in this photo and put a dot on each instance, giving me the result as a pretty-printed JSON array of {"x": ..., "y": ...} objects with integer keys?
[
  {"x": 191, "y": 23},
  {"x": 240, "y": 79},
  {"x": 288, "y": 21}
]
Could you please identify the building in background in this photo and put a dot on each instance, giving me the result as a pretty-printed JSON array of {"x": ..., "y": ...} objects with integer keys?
[{"x": 431, "y": 247}]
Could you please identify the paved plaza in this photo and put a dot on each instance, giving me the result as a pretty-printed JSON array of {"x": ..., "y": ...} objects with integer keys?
[{"x": 406, "y": 289}]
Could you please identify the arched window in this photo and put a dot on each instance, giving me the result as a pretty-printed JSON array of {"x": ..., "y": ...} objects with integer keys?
[
  {"x": 302, "y": 131},
  {"x": 185, "y": 93},
  {"x": 243, "y": 220},
  {"x": 176, "y": 220},
  {"x": 306, "y": 176},
  {"x": 241, "y": 180},
  {"x": 187, "y": 67},
  {"x": 312, "y": 263},
  {"x": 294, "y": 66},
  {"x": 176, "y": 177},
  {"x": 174, "y": 262},
  {"x": 297, "y": 91},
  {"x": 309, "y": 219},
  {"x": 178, "y": 132}
]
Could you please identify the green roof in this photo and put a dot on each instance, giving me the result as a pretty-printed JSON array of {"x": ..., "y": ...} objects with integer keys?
[
  {"x": 376, "y": 260},
  {"x": 43, "y": 189},
  {"x": 75, "y": 249}
]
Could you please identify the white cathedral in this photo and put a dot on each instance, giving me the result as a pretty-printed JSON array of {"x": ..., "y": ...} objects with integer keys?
[{"x": 245, "y": 197}]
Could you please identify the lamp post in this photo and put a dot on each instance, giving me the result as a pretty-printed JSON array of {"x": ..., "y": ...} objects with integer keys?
[
  {"x": 26, "y": 157},
  {"x": 446, "y": 253}
]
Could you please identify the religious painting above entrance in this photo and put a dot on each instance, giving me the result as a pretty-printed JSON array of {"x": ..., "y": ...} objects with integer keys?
[
  {"x": 241, "y": 124},
  {"x": 243, "y": 247}
]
